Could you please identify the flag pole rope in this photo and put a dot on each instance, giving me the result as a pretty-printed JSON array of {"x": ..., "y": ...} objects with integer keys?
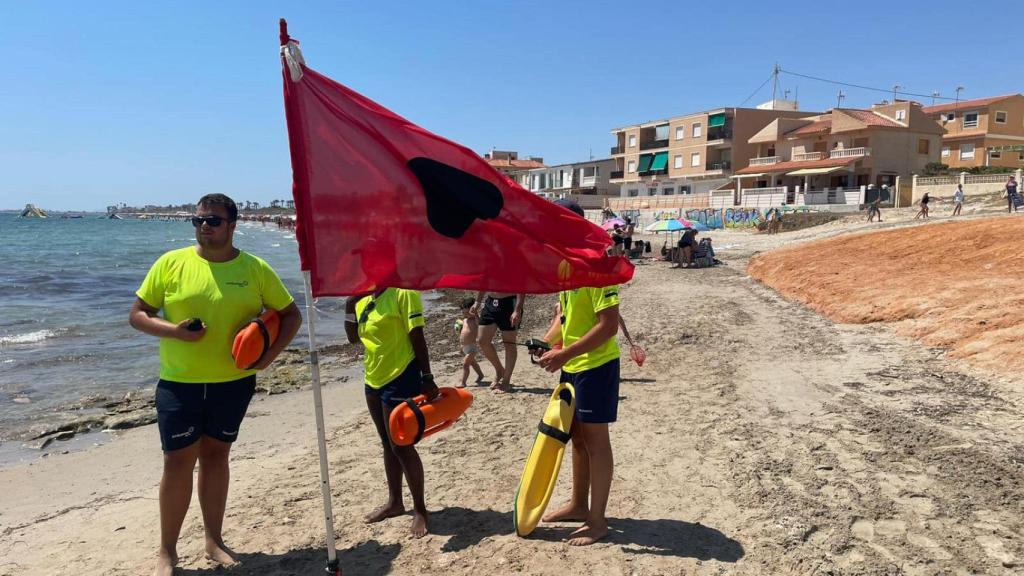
[{"x": 333, "y": 566}]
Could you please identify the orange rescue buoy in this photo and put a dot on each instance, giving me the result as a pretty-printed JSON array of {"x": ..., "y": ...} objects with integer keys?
[
  {"x": 253, "y": 340},
  {"x": 416, "y": 418}
]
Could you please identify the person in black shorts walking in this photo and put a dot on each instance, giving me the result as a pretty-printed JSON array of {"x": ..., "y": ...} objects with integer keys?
[
  {"x": 207, "y": 292},
  {"x": 499, "y": 311}
]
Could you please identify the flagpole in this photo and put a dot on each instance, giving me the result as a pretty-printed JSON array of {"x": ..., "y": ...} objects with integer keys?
[{"x": 333, "y": 567}]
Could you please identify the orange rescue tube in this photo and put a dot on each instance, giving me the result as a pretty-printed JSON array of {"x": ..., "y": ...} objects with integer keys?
[
  {"x": 416, "y": 418},
  {"x": 253, "y": 340}
]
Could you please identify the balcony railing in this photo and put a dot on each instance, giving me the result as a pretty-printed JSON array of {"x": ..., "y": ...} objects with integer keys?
[
  {"x": 807, "y": 156},
  {"x": 850, "y": 153},
  {"x": 617, "y": 174},
  {"x": 719, "y": 134},
  {"x": 765, "y": 160},
  {"x": 654, "y": 144},
  {"x": 618, "y": 149},
  {"x": 725, "y": 165},
  {"x": 661, "y": 172}
]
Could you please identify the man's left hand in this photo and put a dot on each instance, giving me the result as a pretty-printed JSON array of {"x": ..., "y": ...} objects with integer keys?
[
  {"x": 516, "y": 317},
  {"x": 554, "y": 360},
  {"x": 427, "y": 386}
]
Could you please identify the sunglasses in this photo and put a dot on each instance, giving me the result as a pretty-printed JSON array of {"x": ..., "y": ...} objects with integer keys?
[{"x": 212, "y": 221}]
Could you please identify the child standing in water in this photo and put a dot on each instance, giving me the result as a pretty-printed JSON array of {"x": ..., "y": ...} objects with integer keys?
[{"x": 470, "y": 326}]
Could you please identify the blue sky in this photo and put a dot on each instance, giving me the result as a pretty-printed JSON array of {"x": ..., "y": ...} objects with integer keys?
[{"x": 142, "y": 102}]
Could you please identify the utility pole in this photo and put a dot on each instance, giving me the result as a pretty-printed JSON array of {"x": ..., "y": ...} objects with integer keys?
[
  {"x": 839, "y": 99},
  {"x": 775, "y": 82}
]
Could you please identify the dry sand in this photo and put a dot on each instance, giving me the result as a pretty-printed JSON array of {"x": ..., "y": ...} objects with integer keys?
[{"x": 760, "y": 438}]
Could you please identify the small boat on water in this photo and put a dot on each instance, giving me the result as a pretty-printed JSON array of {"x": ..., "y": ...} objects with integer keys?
[{"x": 31, "y": 211}]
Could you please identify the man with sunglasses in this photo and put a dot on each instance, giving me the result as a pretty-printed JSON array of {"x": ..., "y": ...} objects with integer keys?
[{"x": 207, "y": 292}]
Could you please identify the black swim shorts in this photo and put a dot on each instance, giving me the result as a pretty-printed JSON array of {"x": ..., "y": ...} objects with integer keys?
[
  {"x": 597, "y": 393},
  {"x": 406, "y": 385},
  {"x": 186, "y": 411},
  {"x": 499, "y": 311}
]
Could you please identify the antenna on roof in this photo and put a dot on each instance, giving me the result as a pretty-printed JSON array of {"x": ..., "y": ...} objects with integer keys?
[
  {"x": 934, "y": 95},
  {"x": 775, "y": 82},
  {"x": 839, "y": 99}
]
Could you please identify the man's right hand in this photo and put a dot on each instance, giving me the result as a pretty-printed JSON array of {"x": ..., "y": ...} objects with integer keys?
[{"x": 181, "y": 331}]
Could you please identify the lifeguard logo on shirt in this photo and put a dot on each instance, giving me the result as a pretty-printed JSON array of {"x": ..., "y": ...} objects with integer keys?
[{"x": 239, "y": 283}]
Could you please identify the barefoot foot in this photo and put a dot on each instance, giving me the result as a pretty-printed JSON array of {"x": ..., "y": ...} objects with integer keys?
[
  {"x": 217, "y": 552},
  {"x": 588, "y": 534},
  {"x": 419, "y": 525},
  {"x": 384, "y": 512},
  {"x": 165, "y": 563},
  {"x": 567, "y": 513}
]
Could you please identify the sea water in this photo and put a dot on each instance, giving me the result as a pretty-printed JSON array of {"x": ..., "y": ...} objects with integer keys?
[{"x": 66, "y": 286}]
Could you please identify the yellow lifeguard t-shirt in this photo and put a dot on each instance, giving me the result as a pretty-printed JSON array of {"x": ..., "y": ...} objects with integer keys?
[
  {"x": 579, "y": 313},
  {"x": 384, "y": 325},
  {"x": 224, "y": 295}
]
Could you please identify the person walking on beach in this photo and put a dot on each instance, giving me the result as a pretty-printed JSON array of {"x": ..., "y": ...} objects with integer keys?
[
  {"x": 958, "y": 200},
  {"x": 1011, "y": 195},
  {"x": 499, "y": 311},
  {"x": 875, "y": 209},
  {"x": 469, "y": 331},
  {"x": 207, "y": 292},
  {"x": 923, "y": 212},
  {"x": 586, "y": 323},
  {"x": 389, "y": 324}
]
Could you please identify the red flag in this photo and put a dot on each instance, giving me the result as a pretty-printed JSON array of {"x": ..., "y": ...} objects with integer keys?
[{"x": 381, "y": 202}]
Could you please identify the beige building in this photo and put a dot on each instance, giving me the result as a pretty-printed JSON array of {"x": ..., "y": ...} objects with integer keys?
[
  {"x": 982, "y": 132},
  {"x": 688, "y": 155},
  {"x": 509, "y": 164},
  {"x": 843, "y": 149}
]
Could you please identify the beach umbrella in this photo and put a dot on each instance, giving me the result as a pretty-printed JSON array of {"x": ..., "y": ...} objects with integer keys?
[
  {"x": 612, "y": 223},
  {"x": 695, "y": 225},
  {"x": 668, "y": 225}
]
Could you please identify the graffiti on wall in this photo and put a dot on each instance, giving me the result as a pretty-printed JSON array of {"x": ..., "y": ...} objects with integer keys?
[
  {"x": 742, "y": 217},
  {"x": 666, "y": 214},
  {"x": 710, "y": 217}
]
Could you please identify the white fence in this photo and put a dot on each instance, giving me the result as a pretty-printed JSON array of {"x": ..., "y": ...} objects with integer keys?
[
  {"x": 849, "y": 152},
  {"x": 974, "y": 184},
  {"x": 722, "y": 199},
  {"x": 848, "y": 196},
  {"x": 763, "y": 197}
]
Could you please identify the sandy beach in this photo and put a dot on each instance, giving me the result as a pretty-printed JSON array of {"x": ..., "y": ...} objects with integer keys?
[{"x": 759, "y": 438}]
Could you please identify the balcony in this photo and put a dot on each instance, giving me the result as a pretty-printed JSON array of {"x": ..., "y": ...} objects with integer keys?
[
  {"x": 617, "y": 174},
  {"x": 661, "y": 172},
  {"x": 652, "y": 144},
  {"x": 765, "y": 160},
  {"x": 850, "y": 153},
  {"x": 620, "y": 149},
  {"x": 806, "y": 156},
  {"x": 719, "y": 134},
  {"x": 712, "y": 166}
]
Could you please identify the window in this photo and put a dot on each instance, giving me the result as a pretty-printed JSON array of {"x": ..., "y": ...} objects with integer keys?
[
  {"x": 684, "y": 190},
  {"x": 949, "y": 116},
  {"x": 1000, "y": 117},
  {"x": 922, "y": 146},
  {"x": 945, "y": 151},
  {"x": 589, "y": 171},
  {"x": 677, "y": 162},
  {"x": 971, "y": 120},
  {"x": 696, "y": 131},
  {"x": 652, "y": 191},
  {"x": 668, "y": 191},
  {"x": 634, "y": 192},
  {"x": 695, "y": 159},
  {"x": 680, "y": 132},
  {"x": 967, "y": 151},
  {"x": 901, "y": 115},
  {"x": 632, "y": 142},
  {"x": 632, "y": 166},
  {"x": 994, "y": 155}
]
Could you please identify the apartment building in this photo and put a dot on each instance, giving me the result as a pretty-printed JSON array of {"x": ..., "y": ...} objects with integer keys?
[
  {"x": 844, "y": 148},
  {"x": 982, "y": 132},
  {"x": 508, "y": 163},
  {"x": 589, "y": 178},
  {"x": 690, "y": 154}
]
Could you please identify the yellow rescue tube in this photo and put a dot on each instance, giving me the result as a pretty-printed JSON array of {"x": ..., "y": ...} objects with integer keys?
[{"x": 545, "y": 460}]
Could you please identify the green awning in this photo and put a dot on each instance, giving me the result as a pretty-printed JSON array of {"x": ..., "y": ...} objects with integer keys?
[
  {"x": 645, "y": 163},
  {"x": 660, "y": 161},
  {"x": 716, "y": 120}
]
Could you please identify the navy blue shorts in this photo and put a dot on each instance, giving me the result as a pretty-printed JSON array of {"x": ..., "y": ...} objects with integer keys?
[
  {"x": 405, "y": 385},
  {"x": 597, "y": 393},
  {"x": 184, "y": 412}
]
